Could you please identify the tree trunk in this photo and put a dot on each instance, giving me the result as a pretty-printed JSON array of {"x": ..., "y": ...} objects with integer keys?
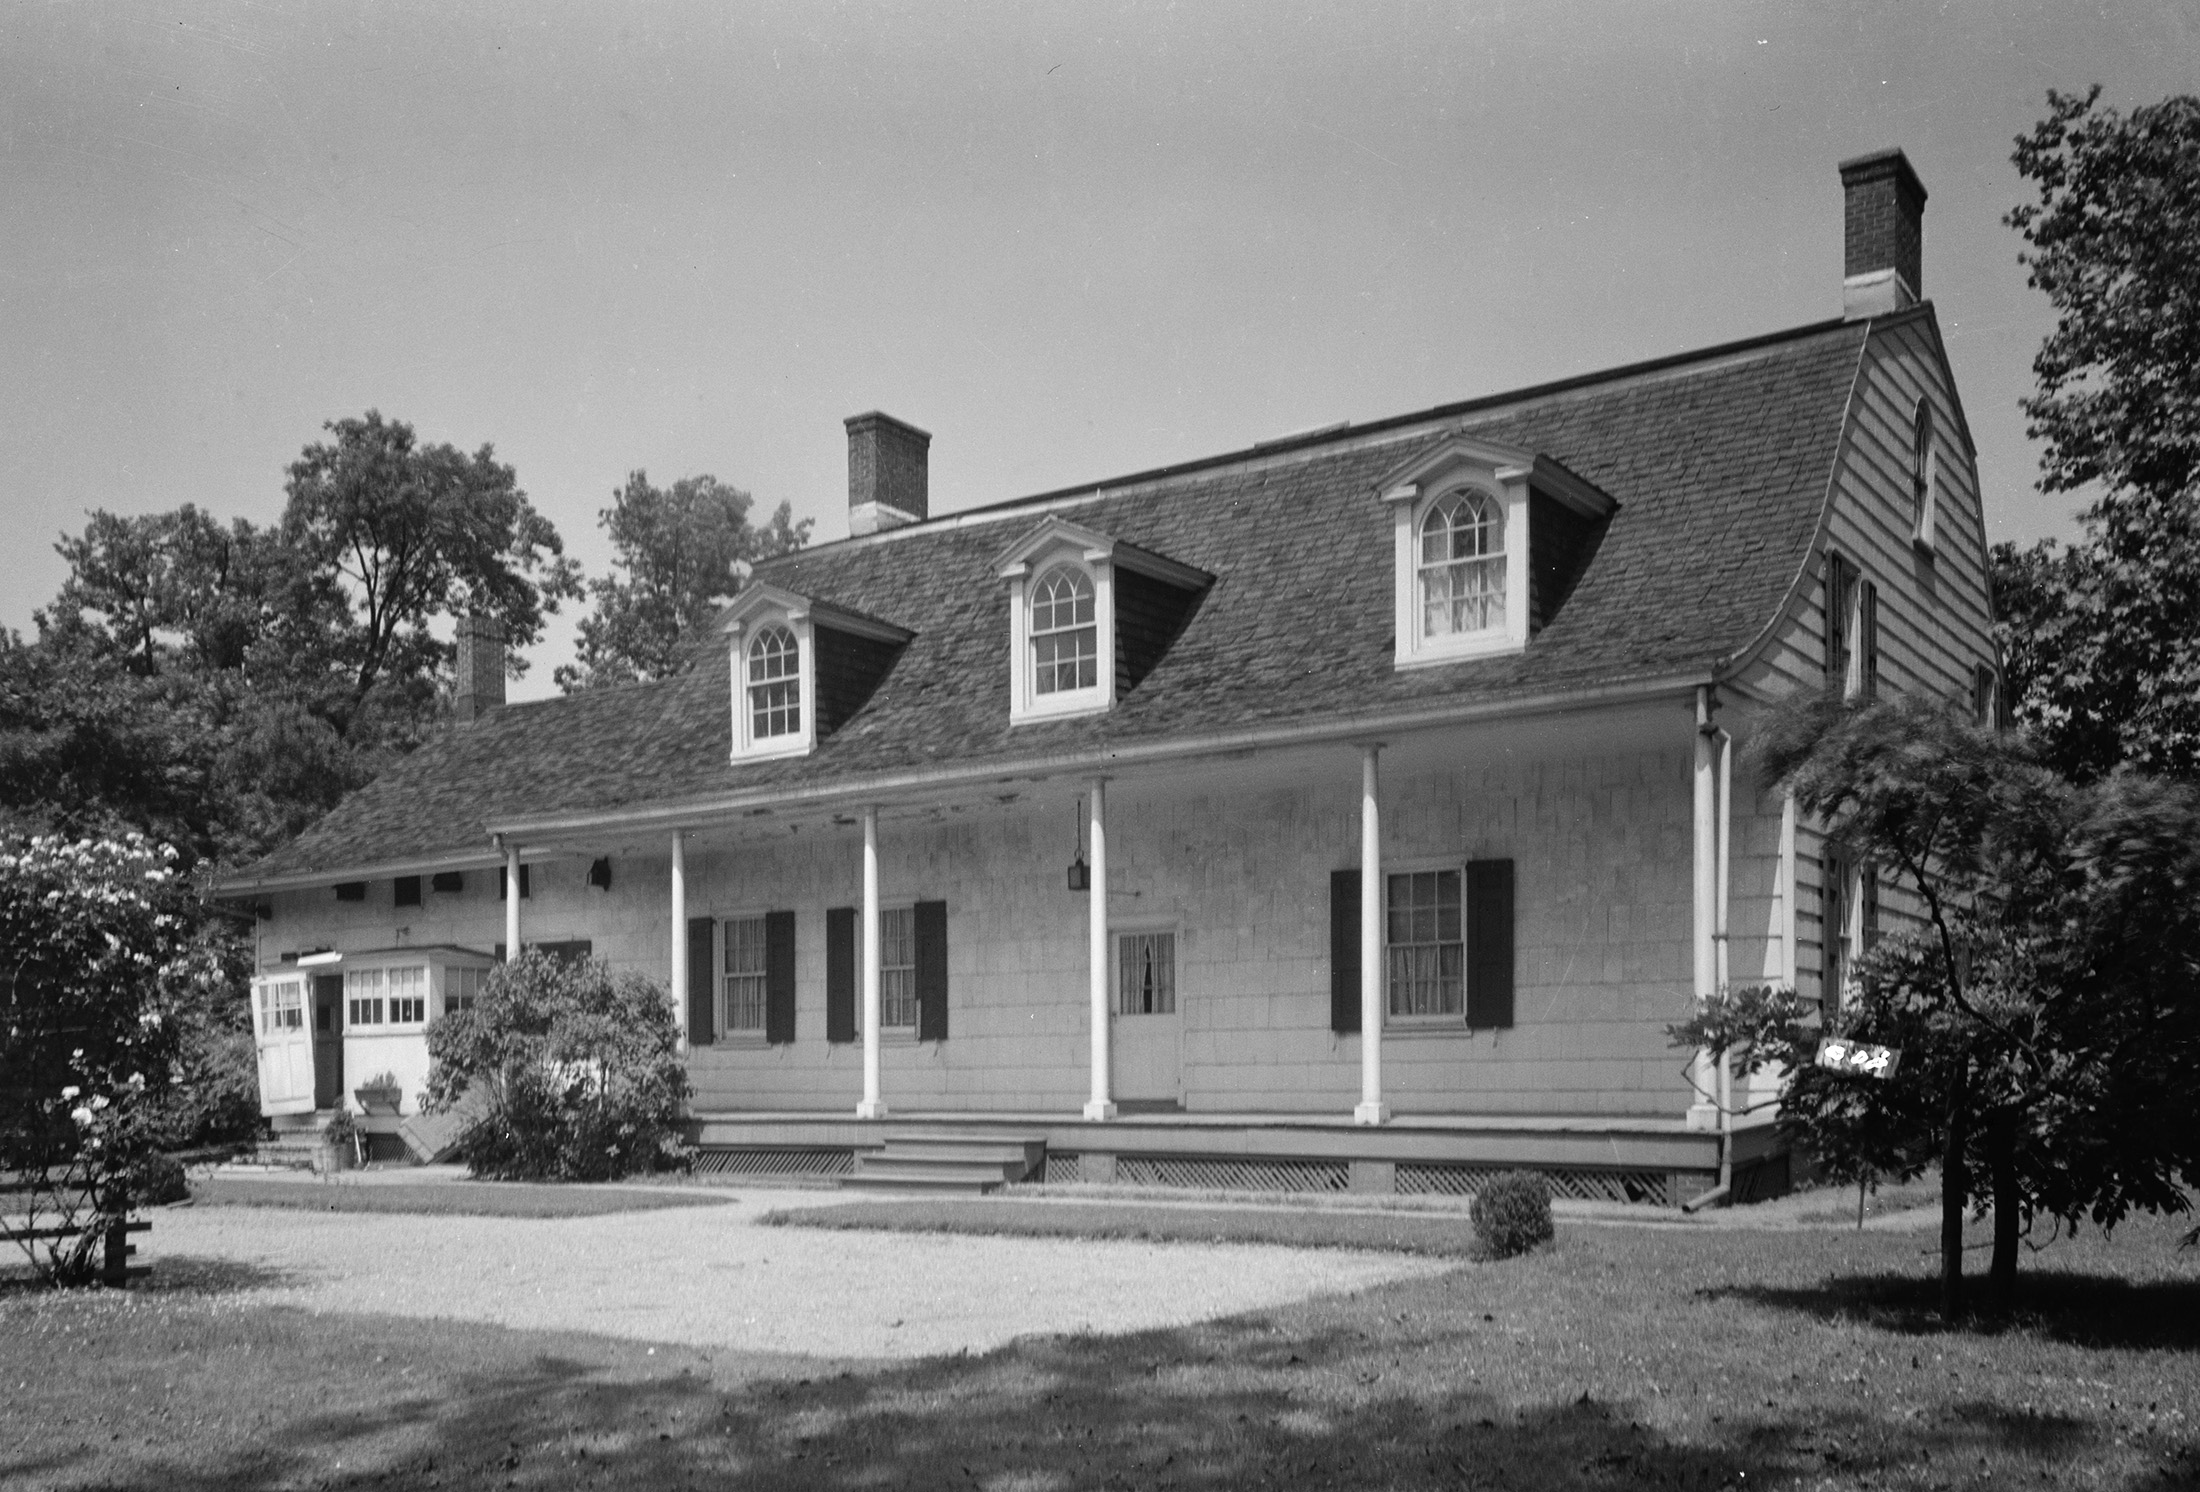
[
  {"x": 2001, "y": 1149},
  {"x": 1953, "y": 1188}
]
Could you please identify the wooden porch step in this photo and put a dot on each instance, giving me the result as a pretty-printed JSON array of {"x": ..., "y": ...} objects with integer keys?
[{"x": 939, "y": 1161}]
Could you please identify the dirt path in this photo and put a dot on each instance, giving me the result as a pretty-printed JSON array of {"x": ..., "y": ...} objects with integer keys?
[{"x": 710, "y": 1277}]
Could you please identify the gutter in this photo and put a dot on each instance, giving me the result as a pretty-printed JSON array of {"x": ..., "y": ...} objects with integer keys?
[{"x": 379, "y": 870}]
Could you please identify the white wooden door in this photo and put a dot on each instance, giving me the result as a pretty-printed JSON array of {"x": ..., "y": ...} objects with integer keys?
[
  {"x": 1148, "y": 1045},
  {"x": 285, "y": 1045}
]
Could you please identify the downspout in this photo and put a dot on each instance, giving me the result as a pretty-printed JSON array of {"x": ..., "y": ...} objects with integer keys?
[
  {"x": 1725, "y": 830},
  {"x": 1714, "y": 805}
]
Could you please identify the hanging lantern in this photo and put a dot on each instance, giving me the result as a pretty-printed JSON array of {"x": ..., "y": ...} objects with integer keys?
[{"x": 1080, "y": 874}]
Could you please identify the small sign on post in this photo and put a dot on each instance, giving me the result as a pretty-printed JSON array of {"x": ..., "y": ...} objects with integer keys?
[{"x": 1859, "y": 1058}]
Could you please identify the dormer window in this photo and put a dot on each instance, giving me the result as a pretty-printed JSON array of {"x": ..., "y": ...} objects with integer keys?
[
  {"x": 1089, "y": 618},
  {"x": 775, "y": 684},
  {"x": 1490, "y": 541},
  {"x": 1462, "y": 565},
  {"x": 1065, "y": 640},
  {"x": 801, "y": 668}
]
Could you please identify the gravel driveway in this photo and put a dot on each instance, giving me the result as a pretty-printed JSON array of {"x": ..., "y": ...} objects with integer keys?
[{"x": 711, "y": 1277}]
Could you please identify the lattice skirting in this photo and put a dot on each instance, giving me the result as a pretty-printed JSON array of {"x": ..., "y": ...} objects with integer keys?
[
  {"x": 1207, "y": 1173},
  {"x": 773, "y": 1160},
  {"x": 1656, "y": 1188}
]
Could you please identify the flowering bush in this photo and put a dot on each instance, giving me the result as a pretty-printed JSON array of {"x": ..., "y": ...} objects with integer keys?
[
  {"x": 579, "y": 1067},
  {"x": 98, "y": 959}
]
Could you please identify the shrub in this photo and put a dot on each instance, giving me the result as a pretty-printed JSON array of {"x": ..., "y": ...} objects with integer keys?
[
  {"x": 1512, "y": 1214},
  {"x": 579, "y": 1067},
  {"x": 153, "y": 1181}
]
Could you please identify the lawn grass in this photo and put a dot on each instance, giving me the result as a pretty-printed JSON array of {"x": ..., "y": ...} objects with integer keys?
[
  {"x": 1618, "y": 1357},
  {"x": 1446, "y": 1237},
  {"x": 442, "y": 1198}
]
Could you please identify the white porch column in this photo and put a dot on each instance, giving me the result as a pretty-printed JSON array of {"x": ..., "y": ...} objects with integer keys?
[
  {"x": 1371, "y": 1109},
  {"x": 679, "y": 935},
  {"x": 1102, "y": 1103},
  {"x": 872, "y": 1106},
  {"x": 511, "y": 902},
  {"x": 1703, "y": 1112}
]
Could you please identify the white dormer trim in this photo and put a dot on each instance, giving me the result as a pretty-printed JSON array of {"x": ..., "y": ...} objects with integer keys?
[
  {"x": 1503, "y": 474},
  {"x": 758, "y": 608},
  {"x": 1054, "y": 543}
]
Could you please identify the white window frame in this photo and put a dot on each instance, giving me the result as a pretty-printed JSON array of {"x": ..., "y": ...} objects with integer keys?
[
  {"x": 909, "y": 1027},
  {"x": 742, "y": 633},
  {"x": 281, "y": 995},
  {"x": 1442, "y": 1020},
  {"x": 1123, "y": 932},
  {"x": 720, "y": 948},
  {"x": 753, "y": 655},
  {"x": 447, "y": 975},
  {"x": 1026, "y": 702},
  {"x": 383, "y": 1003}
]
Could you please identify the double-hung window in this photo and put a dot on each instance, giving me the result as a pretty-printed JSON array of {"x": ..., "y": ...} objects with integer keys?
[
  {"x": 897, "y": 967},
  {"x": 386, "y": 997},
  {"x": 748, "y": 964},
  {"x": 282, "y": 1006},
  {"x": 461, "y": 988},
  {"x": 1065, "y": 633},
  {"x": 775, "y": 684},
  {"x": 1462, "y": 565},
  {"x": 1426, "y": 941},
  {"x": 364, "y": 1002}
]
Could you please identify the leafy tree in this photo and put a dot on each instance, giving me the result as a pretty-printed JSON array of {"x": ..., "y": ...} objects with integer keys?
[
  {"x": 575, "y": 1071},
  {"x": 2046, "y": 1000},
  {"x": 97, "y": 963},
  {"x": 2103, "y": 639},
  {"x": 682, "y": 551},
  {"x": 410, "y": 533}
]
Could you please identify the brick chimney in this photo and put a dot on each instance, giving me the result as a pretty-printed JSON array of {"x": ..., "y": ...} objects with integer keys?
[
  {"x": 480, "y": 666},
  {"x": 1883, "y": 235},
  {"x": 886, "y": 473}
]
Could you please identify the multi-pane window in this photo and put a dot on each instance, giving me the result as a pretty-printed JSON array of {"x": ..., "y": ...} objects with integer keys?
[
  {"x": 775, "y": 684},
  {"x": 461, "y": 988},
  {"x": 1850, "y": 896},
  {"x": 384, "y": 997},
  {"x": 282, "y": 1006},
  {"x": 1427, "y": 944},
  {"x": 897, "y": 967},
  {"x": 746, "y": 963},
  {"x": 1922, "y": 474},
  {"x": 1146, "y": 973},
  {"x": 1065, "y": 639},
  {"x": 1462, "y": 565}
]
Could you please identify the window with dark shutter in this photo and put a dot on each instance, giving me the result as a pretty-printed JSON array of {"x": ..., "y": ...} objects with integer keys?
[
  {"x": 1833, "y": 934},
  {"x": 523, "y": 889},
  {"x": 1839, "y": 582},
  {"x": 1489, "y": 943},
  {"x": 408, "y": 891},
  {"x": 840, "y": 974},
  {"x": 701, "y": 1027},
  {"x": 1344, "y": 951},
  {"x": 931, "y": 920},
  {"x": 1867, "y": 628},
  {"x": 778, "y": 977}
]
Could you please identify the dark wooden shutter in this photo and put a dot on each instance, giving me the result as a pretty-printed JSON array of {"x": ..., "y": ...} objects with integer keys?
[
  {"x": 1867, "y": 629},
  {"x": 1344, "y": 951},
  {"x": 778, "y": 977},
  {"x": 1837, "y": 624},
  {"x": 702, "y": 1029},
  {"x": 1867, "y": 897},
  {"x": 1833, "y": 926},
  {"x": 840, "y": 974},
  {"x": 931, "y": 933},
  {"x": 1489, "y": 943}
]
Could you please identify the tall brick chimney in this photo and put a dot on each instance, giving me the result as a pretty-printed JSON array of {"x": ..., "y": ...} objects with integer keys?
[
  {"x": 1883, "y": 235},
  {"x": 480, "y": 666},
  {"x": 887, "y": 460}
]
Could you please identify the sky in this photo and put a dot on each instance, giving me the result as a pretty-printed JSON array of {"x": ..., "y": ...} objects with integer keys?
[{"x": 1070, "y": 241}]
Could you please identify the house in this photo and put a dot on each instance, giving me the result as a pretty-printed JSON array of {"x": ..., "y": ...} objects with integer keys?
[{"x": 1358, "y": 809}]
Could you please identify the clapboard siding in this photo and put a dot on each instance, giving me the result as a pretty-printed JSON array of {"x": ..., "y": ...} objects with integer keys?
[
  {"x": 1149, "y": 614},
  {"x": 848, "y": 670}
]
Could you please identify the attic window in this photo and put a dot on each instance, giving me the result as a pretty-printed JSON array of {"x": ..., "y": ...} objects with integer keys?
[
  {"x": 1462, "y": 565},
  {"x": 775, "y": 684},
  {"x": 1924, "y": 477},
  {"x": 1065, "y": 644},
  {"x": 1489, "y": 543}
]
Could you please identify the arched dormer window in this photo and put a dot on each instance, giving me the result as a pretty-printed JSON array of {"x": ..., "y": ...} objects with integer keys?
[
  {"x": 775, "y": 684},
  {"x": 1065, "y": 633},
  {"x": 1462, "y": 565}
]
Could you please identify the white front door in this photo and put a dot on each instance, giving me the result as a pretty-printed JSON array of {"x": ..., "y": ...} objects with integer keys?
[
  {"x": 1148, "y": 1045},
  {"x": 285, "y": 1045}
]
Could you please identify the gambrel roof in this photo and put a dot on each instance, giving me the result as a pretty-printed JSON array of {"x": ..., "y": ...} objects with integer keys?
[{"x": 1719, "y": 462}]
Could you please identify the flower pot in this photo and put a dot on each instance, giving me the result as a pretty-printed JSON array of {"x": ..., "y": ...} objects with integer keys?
[{"x": 379, "y": 1101}]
